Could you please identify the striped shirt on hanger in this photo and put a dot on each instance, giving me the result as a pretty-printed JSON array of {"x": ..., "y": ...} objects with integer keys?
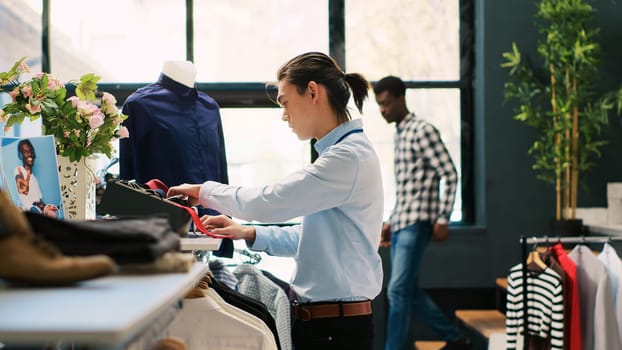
[{"x": 545, "y": 307}]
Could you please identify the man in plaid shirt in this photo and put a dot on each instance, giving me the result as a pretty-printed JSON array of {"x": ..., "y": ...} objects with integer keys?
[{"x": 421, "y": 213}]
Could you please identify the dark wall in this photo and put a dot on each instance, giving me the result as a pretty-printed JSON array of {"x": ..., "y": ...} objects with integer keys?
[{"x": 510, "y": 201}]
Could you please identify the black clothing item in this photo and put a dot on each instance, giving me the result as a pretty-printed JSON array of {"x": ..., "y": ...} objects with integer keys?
[
  {"x": 126, "y": 240},
  {"x": 462, "y": 344},
  {"x": 3, "y": 230},
  {"x": 248, "y": 304},
  {"x": 335, "y": 333},
  {"x": 226, "y": 249}
]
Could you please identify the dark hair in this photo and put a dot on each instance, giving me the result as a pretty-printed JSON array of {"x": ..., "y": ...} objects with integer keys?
[
  {"x": 321, "y": 68},
  {"x": 19, "y": 148},
  {"x": 394, "y": 85}
]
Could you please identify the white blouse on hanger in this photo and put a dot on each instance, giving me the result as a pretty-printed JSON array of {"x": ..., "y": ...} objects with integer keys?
[
  {"x": 598, "y": 322},
  {"x": 613, "y": 264},
  {"x": 269, "y": 342},
  {"x": 203, "y": 323}
]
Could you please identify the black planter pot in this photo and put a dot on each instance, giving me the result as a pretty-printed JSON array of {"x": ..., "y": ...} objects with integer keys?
[{"x": 567, "y": 228}]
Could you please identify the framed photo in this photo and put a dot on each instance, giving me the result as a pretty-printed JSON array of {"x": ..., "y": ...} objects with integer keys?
[{"x": 30, "y": 172}]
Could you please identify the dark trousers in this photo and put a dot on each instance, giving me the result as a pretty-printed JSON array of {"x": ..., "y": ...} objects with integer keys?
[{"x": 337, "y": 333}]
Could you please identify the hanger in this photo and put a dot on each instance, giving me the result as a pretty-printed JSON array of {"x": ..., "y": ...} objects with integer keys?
[
  {"x": 533, "y": 259},
  {"x": 546, "y": 240},
  {"x": 253, "y": 258},
  {"x": 604, "y": 248},
  {"x": 548, "y": 253}
]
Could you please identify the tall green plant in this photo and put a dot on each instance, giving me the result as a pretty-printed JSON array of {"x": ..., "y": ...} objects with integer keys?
[{"x": 559, "y": 99}]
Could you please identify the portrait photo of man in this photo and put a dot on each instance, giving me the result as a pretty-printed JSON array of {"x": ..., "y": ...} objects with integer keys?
[{"x": 31, "y": 175}]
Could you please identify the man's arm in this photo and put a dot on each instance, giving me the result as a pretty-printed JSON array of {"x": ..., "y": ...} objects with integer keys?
[{"x": 441, "y": 161}]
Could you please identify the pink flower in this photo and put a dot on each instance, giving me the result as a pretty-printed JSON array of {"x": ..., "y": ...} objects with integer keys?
[
  {"x": 108, "y": 99},
  {"x": 109, "y": 109},
  {"x": 37, "y": 75},
  {"x": 33, "y": 109},
  {"x": 27, "y": 91},
  {"x": 66, "y": 134},
  {"x": 123, "y": 132},
  {"x": 54, "y": 84},
  {"x": 14, "y": 93},
  {"x": 96, "y": 120},
  {"x": 23, "y": 67},
  {"x": 74, "y": 101},
  {"x": 87, "y": 108}
]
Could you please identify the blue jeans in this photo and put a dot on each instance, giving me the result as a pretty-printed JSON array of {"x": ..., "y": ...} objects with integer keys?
[{"x": 405, "y": 295}]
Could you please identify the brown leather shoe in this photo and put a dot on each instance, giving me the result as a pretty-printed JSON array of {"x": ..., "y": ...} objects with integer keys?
[
  {"x": 27, "y": 258},
  {"x": 11, "y": 217},
  {"x": 31, "y": 260},
  {"x": 170, "y": 343}
]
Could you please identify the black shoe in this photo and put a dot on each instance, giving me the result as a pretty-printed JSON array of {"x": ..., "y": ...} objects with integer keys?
[{"x": 460, "y": 344}]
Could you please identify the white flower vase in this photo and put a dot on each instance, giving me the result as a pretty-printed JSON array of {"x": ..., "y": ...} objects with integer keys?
[{"x": 77, "y": 184}]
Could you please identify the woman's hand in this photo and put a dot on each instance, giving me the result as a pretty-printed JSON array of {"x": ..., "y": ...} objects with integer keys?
[
  {"x": 223, "y": 225},
  {"x": 190, "y": 191}
]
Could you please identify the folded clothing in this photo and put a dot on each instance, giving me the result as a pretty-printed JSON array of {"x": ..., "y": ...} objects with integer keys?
[{"x": 127, "y": 240}]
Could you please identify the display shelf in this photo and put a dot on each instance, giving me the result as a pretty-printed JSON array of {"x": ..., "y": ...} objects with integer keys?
[
  {"x": 200, "y": 243},
  {"x": 104, "y": 313},
  {"x": 608, "y": 230}
]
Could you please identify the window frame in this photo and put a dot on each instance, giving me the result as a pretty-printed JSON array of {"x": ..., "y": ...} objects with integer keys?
[{"x": 257, "y": 95}]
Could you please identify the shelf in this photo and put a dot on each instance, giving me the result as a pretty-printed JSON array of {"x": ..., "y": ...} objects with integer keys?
[
  {"x": 611, "y": 230},
  {"x": 200, "y": 243},
  {"x": 106, "y": 313}
]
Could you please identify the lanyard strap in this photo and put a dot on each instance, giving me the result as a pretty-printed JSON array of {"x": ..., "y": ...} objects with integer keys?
[
  {"x": 198, "y": 224},
  {"x": 157, "y": 184},
  {"x": 353, "y": 131}
]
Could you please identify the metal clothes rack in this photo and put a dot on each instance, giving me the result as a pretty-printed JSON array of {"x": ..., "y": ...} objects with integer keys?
[{"x": 546, "y": 239}]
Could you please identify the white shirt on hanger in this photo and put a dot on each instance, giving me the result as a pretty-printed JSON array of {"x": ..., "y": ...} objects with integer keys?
[
  {"x": 204, "y": 324},
  {"x": 613, "y": 264},
  {"x": 269, "y": 340},
  {"x": 598, "y": 321}
]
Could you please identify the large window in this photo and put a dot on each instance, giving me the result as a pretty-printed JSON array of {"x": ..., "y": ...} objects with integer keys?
[
  {"x": 419, "y": 42},
  {"x": 238, "y": 45},
  {"x": 242, "y": 41}
]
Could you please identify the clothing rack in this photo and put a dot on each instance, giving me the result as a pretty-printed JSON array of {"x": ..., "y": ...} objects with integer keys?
[{"x": 546, "y": 239}]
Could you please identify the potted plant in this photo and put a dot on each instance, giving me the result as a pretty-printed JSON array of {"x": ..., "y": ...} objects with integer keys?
[
  {"x": 559, "y": 99},
  {"x": 81, "y": 128},
  {"x": 81, "y": 125}
]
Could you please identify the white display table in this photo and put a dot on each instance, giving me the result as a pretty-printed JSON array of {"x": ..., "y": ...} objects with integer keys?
[{"x": 104, "y": 313}]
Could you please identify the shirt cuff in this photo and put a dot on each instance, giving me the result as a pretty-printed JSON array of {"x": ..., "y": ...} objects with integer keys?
[
  {"x": 261, "y": 239},
  {"x": 205, "y": 192}
]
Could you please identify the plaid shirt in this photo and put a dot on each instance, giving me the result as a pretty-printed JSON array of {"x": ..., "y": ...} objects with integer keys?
[{"x": 421, "y": 161}]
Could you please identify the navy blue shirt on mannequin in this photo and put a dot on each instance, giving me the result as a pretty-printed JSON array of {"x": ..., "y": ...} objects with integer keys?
[{"x": 176, "y": 136}]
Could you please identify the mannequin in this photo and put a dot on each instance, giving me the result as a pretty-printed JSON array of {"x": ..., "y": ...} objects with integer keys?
[
  {"x": 176, "y": 134},
  {"x": 183, "y": 72}
]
